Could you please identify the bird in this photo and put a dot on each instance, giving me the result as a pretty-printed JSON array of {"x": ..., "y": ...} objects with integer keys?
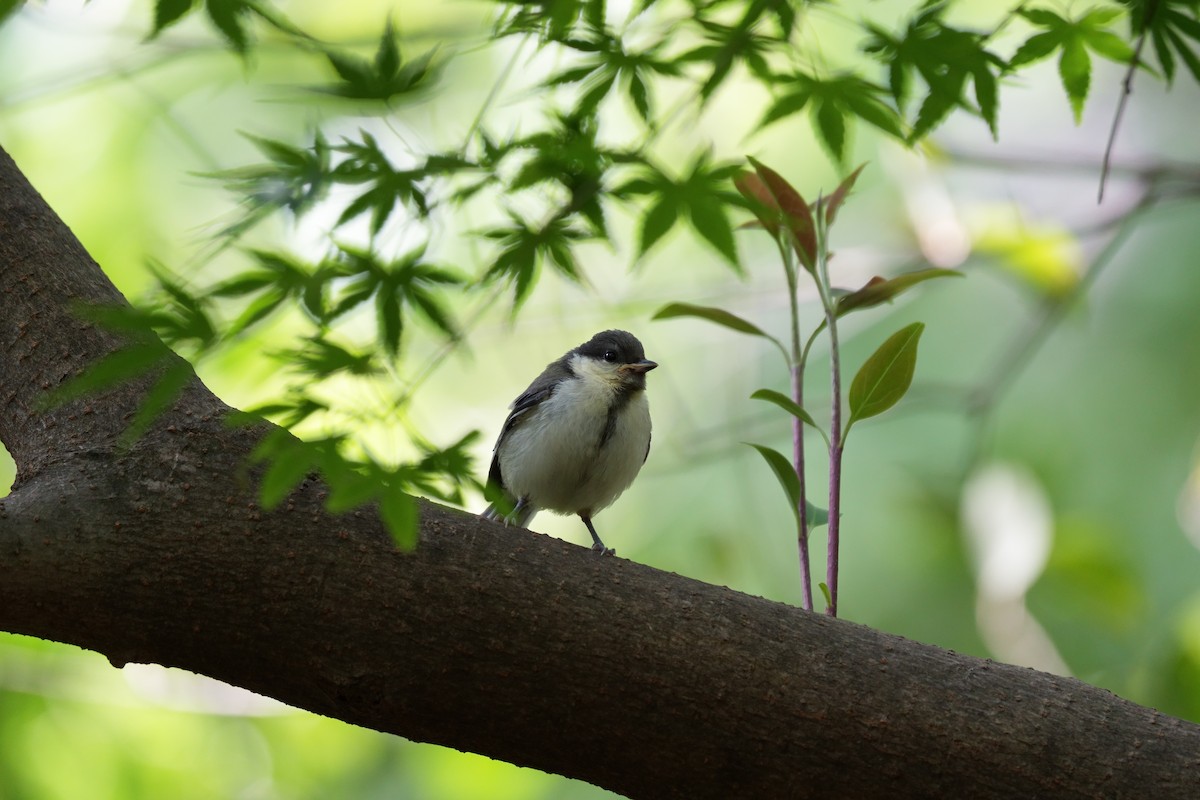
[{"x": 577, "y": 437}]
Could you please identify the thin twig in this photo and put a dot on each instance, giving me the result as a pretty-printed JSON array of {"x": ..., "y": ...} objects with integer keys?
[
  {"x": 1065, "y": 162},
  {"x": 1126, "y": 91}
]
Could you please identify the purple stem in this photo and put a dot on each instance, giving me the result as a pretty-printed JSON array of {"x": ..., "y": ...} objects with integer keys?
[
  {"x": 798, "y": 461},
  {"x": 831, "y": 563},
  {"x": 835, "y": 467}
]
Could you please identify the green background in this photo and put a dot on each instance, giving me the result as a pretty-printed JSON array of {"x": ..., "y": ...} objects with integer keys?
[{"x": 1092, "y": 447}]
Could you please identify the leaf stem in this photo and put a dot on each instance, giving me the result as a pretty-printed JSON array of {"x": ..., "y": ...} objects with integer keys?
[
  {"x": 796, "y": 370},
  {"x": 835, "y": 414}
]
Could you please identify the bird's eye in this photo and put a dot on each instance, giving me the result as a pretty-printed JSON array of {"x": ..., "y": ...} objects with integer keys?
[{"x": 610, "y": 356}]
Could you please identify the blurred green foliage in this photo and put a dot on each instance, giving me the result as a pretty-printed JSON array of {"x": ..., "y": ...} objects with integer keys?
[{"x": 351, "y": 209}]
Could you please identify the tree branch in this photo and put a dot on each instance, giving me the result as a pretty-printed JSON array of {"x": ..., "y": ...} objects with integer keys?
[{"x": 493, "y": 640}]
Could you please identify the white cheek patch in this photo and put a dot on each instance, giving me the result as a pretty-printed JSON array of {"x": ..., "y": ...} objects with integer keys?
[{"x": 594, "y": 368}]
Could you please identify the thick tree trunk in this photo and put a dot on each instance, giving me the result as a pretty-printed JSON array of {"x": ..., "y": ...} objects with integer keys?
[{"x": 487, "y": 639}]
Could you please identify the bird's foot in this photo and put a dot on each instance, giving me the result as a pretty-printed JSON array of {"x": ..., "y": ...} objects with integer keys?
[{"x": 600, "y": 549}]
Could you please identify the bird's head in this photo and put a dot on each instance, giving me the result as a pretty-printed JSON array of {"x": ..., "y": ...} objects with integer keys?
[{"x": 617, "y": 357}]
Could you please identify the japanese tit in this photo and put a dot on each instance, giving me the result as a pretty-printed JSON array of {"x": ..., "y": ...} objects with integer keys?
[{"x": 577, "y": 437}]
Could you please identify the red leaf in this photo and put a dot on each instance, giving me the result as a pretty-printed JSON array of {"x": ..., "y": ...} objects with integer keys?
[
  {"x": 762, "y": 202},
  {"x": 795, "y": 211},
  {"x": 881, "y": 290},
  {"x": 839, "y": 195}
]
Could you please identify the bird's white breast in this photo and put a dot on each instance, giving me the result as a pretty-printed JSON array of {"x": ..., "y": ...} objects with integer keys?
[{"x": 555, "y": 457}]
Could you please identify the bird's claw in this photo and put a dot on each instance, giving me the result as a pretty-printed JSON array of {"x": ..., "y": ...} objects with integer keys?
[{"x": 602, "y": 550}]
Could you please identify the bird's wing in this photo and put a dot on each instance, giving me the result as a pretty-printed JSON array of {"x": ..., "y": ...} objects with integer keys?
[
  {"x": 648, "y": 438},
  {"x": 541, "y": 388},
  {"x": 520, "y": 410}
]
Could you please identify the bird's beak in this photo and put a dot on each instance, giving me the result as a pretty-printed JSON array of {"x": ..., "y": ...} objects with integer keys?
[{"x": 641, "y": 367}]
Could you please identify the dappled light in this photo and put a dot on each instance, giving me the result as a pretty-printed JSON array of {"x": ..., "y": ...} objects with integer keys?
[{"x": 367, "y": 225}]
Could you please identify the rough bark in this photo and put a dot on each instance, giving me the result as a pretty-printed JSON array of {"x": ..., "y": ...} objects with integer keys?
[{"x": 493, "y": 640}]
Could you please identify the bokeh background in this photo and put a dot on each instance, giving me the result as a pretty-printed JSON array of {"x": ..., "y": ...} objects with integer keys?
[{"x": 1055, "y": 525}]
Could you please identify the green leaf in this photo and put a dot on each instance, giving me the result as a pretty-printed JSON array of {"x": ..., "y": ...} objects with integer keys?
[
  {"x": 790, "y": 406},
  {"x": 387, "y": 57},
  {"x": 610, "y": 64},
  {"x": 787, "y": 404},
  {"x": 348, "y": 487},
  {"x": 717, "y": 315},
  {"x": 122, "y": 365},
  {"x": 886, "y": 375},
  {"x": 880, "y": 290},
  {"x": 390, "y": 323},
  {"x": 548, "y": 21},
  {"x": 180, "y": 318},
  {"x": 1043, "y": 17},
  {"x": 166, "y": 13},
  {"x": 1109, "y": 45},
  {"x": 640, "y": 97},
  {"x": 159, "y": 399},
  {"x": 227, "y": 16},
  {"x": 935, "y": 108},
  {"x": 524, "y": 249},
  {"x": 831, "y": 126},
  {"x": 432, "y": 309},
  {"x": 710, "y": 220},
  {"x": 834, "y": 102},
  {"x": 1165, "y": 58},
  {"x": 385, "y": 78},
  {"x": 367, "y": 164},
  {"x": 290, "y": 464},
  {"x": 785, "y": 473},
  {"x": 406, "y": 282},
  {"x": 1185, "y": 52},
  {"x": 443, "y": 473},
  {"x": 258, "y": 310},
  {"x": 1075, "y": 67},
  {"x": 1184, "y": 24},
  {"x": 399, "y": 513},
  {"x": 825, "y": 593},
  {"x": 787, "y": 105},
  {"x": 245, "y": 283},
  {"x": 294, "y": 178},
  {"x": 701, "y": 195},
  {"x": 867, "y": 106},
  {"x": 945, "y": 58},
  {"x": 1035, "y": 48},
  {"x": 1075, "y": 37},
  {"x": 321, "y": 358},
  {"x": 656, "y": 222},
  {"x": 726, "y": 45},
  {"x": 290, "y": 413},
  {"x": 8, "y": 8},
  {"x": 985, "y": 96}
]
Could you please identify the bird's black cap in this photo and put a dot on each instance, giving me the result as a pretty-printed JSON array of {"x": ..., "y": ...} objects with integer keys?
[{"x": 620, "y": 347}]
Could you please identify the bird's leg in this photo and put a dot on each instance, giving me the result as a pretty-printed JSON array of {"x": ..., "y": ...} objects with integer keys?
[
  {"x": 515, "y": 515},
  {"x": 512, "y": 516},
  {"x": 597, "y": 545}
]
